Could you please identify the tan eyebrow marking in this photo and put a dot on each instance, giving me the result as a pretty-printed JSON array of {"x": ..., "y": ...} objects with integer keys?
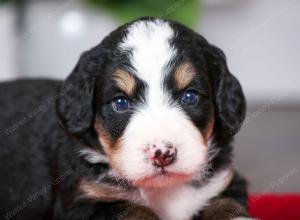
[
  {"x": 184, "y": 75},
  {"x": 125, "y": 81}
]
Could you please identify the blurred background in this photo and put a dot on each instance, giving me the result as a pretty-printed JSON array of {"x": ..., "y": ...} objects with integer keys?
[{"x": 43, "y": 39}]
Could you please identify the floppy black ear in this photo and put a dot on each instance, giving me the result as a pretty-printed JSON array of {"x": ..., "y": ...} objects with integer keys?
[
  {"x": 230, "y": 101},
  {"x": 75, "y": 102}
]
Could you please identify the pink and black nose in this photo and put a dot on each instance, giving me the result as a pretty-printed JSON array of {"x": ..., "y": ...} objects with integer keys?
[{"x": 162, "y": 155}]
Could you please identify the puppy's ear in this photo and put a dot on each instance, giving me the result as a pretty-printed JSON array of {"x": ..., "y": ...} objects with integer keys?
[
  {"x": 75, "y": 103},
  {"x": 229, "y": 97}
]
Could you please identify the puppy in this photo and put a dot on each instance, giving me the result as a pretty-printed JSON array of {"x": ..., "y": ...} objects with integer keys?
[{"x": 141, "y": 129}]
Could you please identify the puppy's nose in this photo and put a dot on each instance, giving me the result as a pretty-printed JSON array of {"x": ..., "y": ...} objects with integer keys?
[{"x": 164, "y": 157}]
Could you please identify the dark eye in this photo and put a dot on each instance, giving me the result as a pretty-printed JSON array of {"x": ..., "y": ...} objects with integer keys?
[
  {"x": 189, "y": 97},
  {"x": 120, "y": 104}
]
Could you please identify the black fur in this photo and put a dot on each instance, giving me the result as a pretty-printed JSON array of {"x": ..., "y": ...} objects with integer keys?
[{"x": 45, "y": 123}]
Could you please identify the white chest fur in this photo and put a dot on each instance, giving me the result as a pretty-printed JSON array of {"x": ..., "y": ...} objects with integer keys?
[{"x": 182, "y": 203}]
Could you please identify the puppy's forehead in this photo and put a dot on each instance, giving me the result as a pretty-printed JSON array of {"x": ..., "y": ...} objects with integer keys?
[{"x": 151, "y": 51}]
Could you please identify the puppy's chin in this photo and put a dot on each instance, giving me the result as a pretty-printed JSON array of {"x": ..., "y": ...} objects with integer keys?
[{"x": 163, "y": 180}]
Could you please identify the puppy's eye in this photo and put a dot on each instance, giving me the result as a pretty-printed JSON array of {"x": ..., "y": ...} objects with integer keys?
[
  {"x": 120, "y": 104},
  {"x": 189, "y": 97}
]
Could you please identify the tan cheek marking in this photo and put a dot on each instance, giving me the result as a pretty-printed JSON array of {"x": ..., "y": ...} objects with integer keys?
[
  {"x": 184, "y": 75},
  {"x": 208, "y": 131},
  {"x": 112, "y": 150},
  {"x": 103, "y": 136},
  {"x": 125, "y": 81},
  {"x": 115, "y": 155},
  {"x": 103, "y": 192}
]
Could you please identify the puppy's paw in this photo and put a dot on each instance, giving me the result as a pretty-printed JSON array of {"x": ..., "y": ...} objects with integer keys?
[
  {"x": 225, "y": 209},
  {"x": 140, "y": 213},
  {"x": 243, "y": 218}
]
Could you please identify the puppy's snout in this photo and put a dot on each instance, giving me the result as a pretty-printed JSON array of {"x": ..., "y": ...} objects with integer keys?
[
  {"x": 162, "y": 155},
  {"x": 161, "y": 159}
]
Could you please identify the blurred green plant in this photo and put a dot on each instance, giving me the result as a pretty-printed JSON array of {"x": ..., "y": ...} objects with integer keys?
[
  {"x": 184, "y": 11},
  {"x": 9, "y": 1}
]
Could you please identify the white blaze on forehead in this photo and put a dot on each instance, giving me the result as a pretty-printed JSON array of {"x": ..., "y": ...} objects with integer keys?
[{"x": 151, "y": 52}]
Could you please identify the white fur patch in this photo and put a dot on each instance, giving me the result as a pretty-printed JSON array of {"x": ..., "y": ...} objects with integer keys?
[
  {"x": 152, "y": 126},
  {"x": 151, "y": 50},
  {"x": 93, "y": 156},
  {"x": 185, "y": 201},
  {"x": 156, "y": 121}
]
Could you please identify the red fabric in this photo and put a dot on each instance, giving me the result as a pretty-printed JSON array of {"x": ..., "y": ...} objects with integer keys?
[{"x": 275, "y": 207}]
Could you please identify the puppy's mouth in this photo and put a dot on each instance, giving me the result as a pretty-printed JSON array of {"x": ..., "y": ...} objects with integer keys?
[{"x": 163, "y": 179}]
